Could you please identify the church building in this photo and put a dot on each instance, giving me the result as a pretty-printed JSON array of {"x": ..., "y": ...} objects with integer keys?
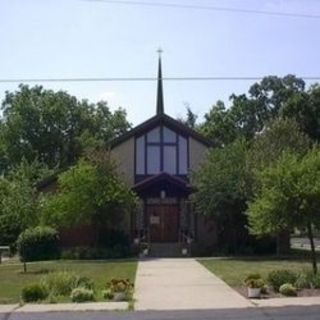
[{"x": 155, "y": 158}]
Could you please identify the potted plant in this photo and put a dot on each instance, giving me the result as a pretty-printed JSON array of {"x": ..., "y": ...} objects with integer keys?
[
  {"x": 254, "y": 287},
  {"x": 120, "y": 289},
  {"x": 144, "y": 250}
]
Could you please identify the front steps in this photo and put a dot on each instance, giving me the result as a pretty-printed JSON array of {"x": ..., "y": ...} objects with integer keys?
[{"x": 165, "y": 250}]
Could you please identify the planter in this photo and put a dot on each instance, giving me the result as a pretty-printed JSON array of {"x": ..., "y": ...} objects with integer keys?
[
  {"x": 184, "y": 251},
  {"x": 254, "y": 293},
  {"x": 119, "y": 296}
]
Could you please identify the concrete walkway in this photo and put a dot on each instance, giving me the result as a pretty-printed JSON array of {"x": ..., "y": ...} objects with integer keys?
[{"x": 182, "y": 284}]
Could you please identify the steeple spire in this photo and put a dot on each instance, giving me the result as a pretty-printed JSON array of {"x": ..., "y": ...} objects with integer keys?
[{"x": 160, "y": 105}]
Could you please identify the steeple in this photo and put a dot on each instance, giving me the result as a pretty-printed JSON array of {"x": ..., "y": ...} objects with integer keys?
[{"x": 160, "y": 105}]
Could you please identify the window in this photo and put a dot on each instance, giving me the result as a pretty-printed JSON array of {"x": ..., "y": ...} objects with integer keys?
[
  {"x": 153, "y": 159},
  {"x": 140, "y": 155},
  {"x": 161, "y": 150},
  {"x": 183, "y": 155},
  {"x": 170, "y": 159}
]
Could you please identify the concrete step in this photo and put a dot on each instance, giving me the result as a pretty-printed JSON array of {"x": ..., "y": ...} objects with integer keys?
[{"x": 165, "y": 250}]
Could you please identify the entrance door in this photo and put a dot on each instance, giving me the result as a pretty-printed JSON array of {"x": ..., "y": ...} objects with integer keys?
[{"x": 163, "y": 221}]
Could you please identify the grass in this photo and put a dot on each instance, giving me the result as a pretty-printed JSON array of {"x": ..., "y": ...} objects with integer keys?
[
  {"x": 234, "y": 270},
  {"x": 12, "y": 278}
]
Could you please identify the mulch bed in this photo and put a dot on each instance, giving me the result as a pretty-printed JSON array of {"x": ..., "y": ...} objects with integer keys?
[{"x": 272, "y": 294}]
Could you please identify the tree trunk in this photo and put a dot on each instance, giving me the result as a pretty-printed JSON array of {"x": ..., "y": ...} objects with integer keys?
[{"x": 313, "y": 250}]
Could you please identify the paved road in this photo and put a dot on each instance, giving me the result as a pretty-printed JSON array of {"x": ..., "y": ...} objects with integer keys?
[
  {"x": 286, "y": 313},
  {"x": 182, "y": 284}
]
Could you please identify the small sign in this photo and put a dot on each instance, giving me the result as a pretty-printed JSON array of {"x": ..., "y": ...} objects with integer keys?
[{"x": 154, "y": 220}]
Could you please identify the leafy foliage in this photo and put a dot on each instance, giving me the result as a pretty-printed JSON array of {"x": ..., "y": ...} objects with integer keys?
[
  {"x": 287, "y": 289},
  {"x": 220, "y": 187},
  {"x": 267, "y": 100},
  {"x": 62, "y": 283},
  {"x": 39, "y": 243},
  {"x": 34, "y": 292},
  {"x": 53, "y": 127},
  {"x": 91, "y": 192},
  {"x": 82, "y": 295},
  {"x": 277, "y": 278},
  {"x": 19, "y": 204}
]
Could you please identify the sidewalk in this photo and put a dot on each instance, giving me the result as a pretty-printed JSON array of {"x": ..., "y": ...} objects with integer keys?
[
  {"x": 182, "y": 284},
  {"x": 91, "y": 306},
  {"x": 286, "y": 302}
]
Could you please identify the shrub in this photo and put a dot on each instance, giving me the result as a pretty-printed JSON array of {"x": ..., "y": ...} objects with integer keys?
[
  {"x": 85, "y": 282},
  {"x": 39, "y": 243},
  {"x": 287, "y": 289},
  {"x": 112, "y": 238},
  {"x": 82, "y": 295},
  {"x": 277, "y": 278},
  {"x": 34, "y": 292},
  {"x": 60, "y": 283},
  {"x": 120, "y": 285},
  {"x": 107, "y": 294},
  {"x": 87, "y": 253},
  {"x": 252, "y": 276},
  {"x": 315, "y": 280},
  {"x": 255, "y": 283},
  {"x": 304, "y": 281}
]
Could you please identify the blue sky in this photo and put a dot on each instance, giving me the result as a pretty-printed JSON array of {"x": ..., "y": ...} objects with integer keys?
[{"x": 87, "y": 38}]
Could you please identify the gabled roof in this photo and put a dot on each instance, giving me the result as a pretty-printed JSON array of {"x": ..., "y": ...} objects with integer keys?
[
  {"x": 163, "y": 176},
  {"x": 162, "y": 119}
]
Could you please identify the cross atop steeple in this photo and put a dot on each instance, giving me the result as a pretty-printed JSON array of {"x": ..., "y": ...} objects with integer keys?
[{"x": 160, "y": 104}]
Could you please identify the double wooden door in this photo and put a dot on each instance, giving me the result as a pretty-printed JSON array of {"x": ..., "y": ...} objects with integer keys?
[{"x": 163, "y": 222}]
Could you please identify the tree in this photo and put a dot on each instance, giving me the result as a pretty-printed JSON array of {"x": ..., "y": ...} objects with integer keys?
[
  {"x": 19, "y": 206},
  {"x": 304, "y": 108},
  {"x": 220, "y": 186},
  {"x": 289, "y": 197},
  {"x": 91, "y": 192},
  {"x": 191, "y": 118},
  {"x": 219, "y": 125},
  {"x": 47, "y": 126},
  {"x": 280, "y": 135},
  {"x": 249, "y": 114}
]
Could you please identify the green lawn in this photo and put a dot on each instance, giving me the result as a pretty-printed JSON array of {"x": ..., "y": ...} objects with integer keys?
[
  {"x": 12, "y": 279},
  {"x": 234, "y": 270}
]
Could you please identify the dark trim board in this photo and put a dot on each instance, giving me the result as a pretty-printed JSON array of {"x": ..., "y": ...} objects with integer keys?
[{"x": 162, "y": 119}]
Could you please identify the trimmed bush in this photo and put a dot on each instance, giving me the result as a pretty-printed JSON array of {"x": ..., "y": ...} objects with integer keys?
[
  {"x": 82, "y": 295},
  {"x": 287, "y": 289},
  {"x": 277, "y": 278},
  {"x": 34, "y": 292},
  {"x": 39, "y": 243}
]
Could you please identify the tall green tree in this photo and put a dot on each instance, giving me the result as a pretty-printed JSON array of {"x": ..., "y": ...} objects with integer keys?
[
  {"x": 220, "y": 186},
  {"x": 278, "y": 136},
  {"x": 46, "y": 125},
  {"x": 19, "y": 200},
  {"x": 91, "y": 192},
  {"x": 289, "y": 197},
  {"x": 249, "y": 113}
]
